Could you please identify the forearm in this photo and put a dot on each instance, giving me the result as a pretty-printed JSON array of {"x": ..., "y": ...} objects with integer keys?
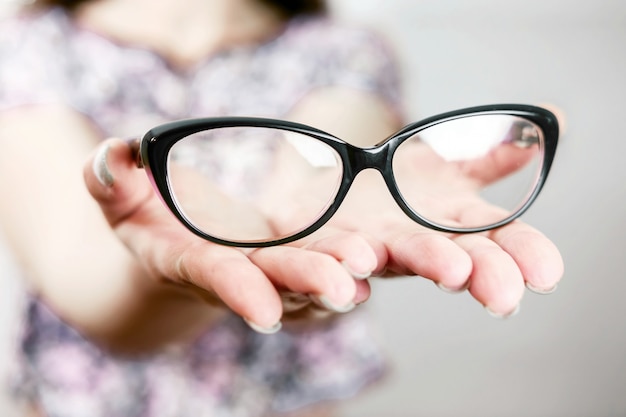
[
  {"x": 102, "y": 291},
  {"x": 70, "y": 254}
]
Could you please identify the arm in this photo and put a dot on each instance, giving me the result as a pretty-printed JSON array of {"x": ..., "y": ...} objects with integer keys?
[
  {"x": 136, "y": 279},
  {"x": 160, "y": 279},
  {"x": 57, "y": 231}
]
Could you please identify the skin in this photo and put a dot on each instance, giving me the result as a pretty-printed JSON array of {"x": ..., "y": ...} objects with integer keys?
[{"x": 113, "y": 262}]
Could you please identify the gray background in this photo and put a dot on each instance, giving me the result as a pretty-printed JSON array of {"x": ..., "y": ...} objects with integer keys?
[{"x": 564, "y": 354}]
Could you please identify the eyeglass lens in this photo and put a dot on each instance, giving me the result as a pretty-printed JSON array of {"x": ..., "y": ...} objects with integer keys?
[
  {"x": 249, "y": 184},
  {"x": 253, "y": 184},
  {"x": 470, "y": 172}
]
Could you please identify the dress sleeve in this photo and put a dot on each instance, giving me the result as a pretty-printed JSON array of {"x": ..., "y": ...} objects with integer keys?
[
  {"x": 357, "y": 58},
  {"x": 33, "y": 63}
]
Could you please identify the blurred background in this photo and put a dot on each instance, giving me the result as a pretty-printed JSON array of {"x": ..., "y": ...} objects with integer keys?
[{"x": 563, "y": 354}]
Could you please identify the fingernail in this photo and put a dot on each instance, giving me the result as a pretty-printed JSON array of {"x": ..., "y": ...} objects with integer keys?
[
  {"x": 264, "y": 330},
  {"x": 457, "y": 290},
  {"x": 294, "y": 301},
  {"x": 380, "y": 273},
  {"x": 356, "y": 275},
  {"x": 324, "y": 302},
  {"x": 503, "y": 315},
  {"x": 101, "y": 168},
  {"x": 542, "y": 291}
]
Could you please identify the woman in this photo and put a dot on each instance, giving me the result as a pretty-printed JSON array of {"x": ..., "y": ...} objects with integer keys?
[{"x": 131, "y": 315}]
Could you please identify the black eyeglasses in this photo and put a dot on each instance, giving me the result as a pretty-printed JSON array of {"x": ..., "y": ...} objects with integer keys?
[{"x": 254, "y": 182}]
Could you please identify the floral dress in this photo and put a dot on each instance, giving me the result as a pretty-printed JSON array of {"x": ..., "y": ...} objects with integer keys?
[{"x": 230, "y": 370}]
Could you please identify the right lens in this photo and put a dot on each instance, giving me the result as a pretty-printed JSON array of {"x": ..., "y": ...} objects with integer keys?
[
  {"x": 472, "y": 171},
  {"x": 252, "y": 184}
]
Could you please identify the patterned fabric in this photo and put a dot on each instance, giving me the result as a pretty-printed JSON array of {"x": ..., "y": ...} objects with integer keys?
[{"x": 229, "y": 371}]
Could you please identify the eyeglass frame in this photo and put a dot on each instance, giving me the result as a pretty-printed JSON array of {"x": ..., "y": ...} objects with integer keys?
[{"x": 151, "y": 151}]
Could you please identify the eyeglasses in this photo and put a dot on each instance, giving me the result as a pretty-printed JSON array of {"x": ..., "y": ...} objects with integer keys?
[{"x": 254, "y": 182}]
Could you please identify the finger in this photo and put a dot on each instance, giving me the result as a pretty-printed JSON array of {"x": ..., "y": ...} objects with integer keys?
[
  {"x": 170, "y": 252},
  {"x": 431, "y": 256},
  {"x": 115, "y": 182},
  {"x": 308, "y": 272},
  {"x": 363, "y": 291},
  {"x": 510, "y": 156},
  {"x": 479, "y": 212},
  {"x": 360, "y": 255},
  {"x": 293, "y": 302},
  {"x": 537, "y": 257},
  {"x": 238, "y": 283},
  {"x": 496, "y": 281},
  {"x": 298, "y": 306},
  {"x": 501, "y": 161}
]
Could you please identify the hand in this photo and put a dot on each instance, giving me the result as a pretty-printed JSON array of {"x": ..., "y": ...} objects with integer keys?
[
  {"x": 494, "y": 266},
  {"x": 253, "y": 283}
]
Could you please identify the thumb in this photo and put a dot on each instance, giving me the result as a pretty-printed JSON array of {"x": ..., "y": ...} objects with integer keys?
[{"x": 115, "y": 182}]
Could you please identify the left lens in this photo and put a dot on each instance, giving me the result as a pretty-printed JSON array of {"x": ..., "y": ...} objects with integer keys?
[
  {"x": 252, "y": 184},
  {"x": 472, "y": 171}
]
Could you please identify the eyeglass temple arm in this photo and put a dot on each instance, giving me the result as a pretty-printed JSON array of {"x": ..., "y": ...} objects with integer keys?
[{"x": 135, "y": 144}]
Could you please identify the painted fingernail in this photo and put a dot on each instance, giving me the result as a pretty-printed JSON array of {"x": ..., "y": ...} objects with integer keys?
[
  {"x": 293, "y": 301},
  {"x": 457, "y": 290},
  {"x": 356, "y": 275},
  {"x": 542, "y": 291},
  {"x": 101, "y": 168},
  {"x": 380, "y": 273},
  {"x": 503, "y": 315},
  {"x": 324, "y": 302},
  {"x": 264, "y": 330}
]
